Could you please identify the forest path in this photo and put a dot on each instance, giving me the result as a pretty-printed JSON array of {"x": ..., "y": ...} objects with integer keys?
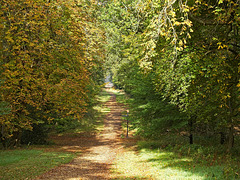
[{"x": 98, "y": 151}]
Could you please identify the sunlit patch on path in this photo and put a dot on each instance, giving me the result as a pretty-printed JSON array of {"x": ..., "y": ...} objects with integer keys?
[{"x": 97, "y": 151}]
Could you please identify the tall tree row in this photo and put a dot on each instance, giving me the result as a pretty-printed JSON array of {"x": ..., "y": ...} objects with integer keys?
[
  {"x": 49, "y": 51},
  {"x": 178, "y": 59},
  {"x": 185, "y": 53}
]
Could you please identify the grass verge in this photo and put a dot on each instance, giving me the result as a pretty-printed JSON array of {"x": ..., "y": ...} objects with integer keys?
[
  {"x": 170, "y": 158},
  {"x": 28, "y": 164},
  {"x": 103, "y": 96}
]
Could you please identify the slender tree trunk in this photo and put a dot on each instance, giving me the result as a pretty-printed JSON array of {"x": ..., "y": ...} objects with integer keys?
[
  {"x": 191, "y": 139},
  {"x": 231, "y": 128},
  {"x": 230, "y": 138},
  {"x": 2, "y": 137},
  {"x": 3, "y": 141},
  {"x": 190, "y": 123},
  {"x": 222, "y": 137}
]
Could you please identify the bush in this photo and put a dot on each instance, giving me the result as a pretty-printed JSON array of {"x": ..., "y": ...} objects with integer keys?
[{"x": 38, "y": 135}]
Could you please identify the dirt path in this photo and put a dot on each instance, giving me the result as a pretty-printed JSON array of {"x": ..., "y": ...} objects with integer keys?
[{"x": 97, "y": 151}]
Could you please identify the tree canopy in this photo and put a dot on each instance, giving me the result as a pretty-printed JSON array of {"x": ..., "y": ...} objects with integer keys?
[
  {"x": 49, "y": 53},
  {"x": 178, "y": 59},
  {"x": 189, "y": 53}
]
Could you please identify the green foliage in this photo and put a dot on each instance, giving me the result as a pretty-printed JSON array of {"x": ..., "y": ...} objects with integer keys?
[
  {"x": 178, "y": 60},
  {"x": 150, "y": 114},
  {"x": 4, "y": 108},
  {"x": 183, "y": 53}
]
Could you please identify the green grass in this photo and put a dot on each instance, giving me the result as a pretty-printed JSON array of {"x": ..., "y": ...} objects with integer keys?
[
  {"x": 121, "y": 97},
  {"x": 160, "y": 164},
  {"x": 170, "y": 156},
  {"x": 163, "y": 159},
  {"x": 103, "y": 96},
  {"x": 28, "y": 164},
  {"x": 152, "y": 165}
]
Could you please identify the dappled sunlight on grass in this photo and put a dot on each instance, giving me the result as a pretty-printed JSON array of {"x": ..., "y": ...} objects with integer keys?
[
  {"x": 160, "y": 164},
  {"x": 101, "y": 109},
  {"x": 115, "y": 91},
  {"x": 168, "y": 165},
  {"x": 128, "y": 165},
  {"x": 103, "y": 96}
]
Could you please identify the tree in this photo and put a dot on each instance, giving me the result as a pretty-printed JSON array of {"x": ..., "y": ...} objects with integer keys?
[
  {"x": 192, "y": 50},
  {"x": 215, "y": 40},
  {"x": 49, "y": 50},
  {"x": 202, "y": 68}
]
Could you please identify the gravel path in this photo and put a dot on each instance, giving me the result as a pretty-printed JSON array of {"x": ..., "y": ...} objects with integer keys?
[{"x": 97, "y": 151}]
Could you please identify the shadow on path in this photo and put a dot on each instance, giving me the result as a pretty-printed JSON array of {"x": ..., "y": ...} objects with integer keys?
[{"x": 98, "y": 151}]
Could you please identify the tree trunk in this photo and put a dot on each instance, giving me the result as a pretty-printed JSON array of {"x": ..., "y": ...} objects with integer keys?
[
  {"x": 230, "y": 138},
  {"x": 231, "y": 106},
  {"x": 2, "y": 137},
  {"x": 222, "y": 137},
  {"x": 191, "y": 139},
  {"x": 190, "y": 123}
]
